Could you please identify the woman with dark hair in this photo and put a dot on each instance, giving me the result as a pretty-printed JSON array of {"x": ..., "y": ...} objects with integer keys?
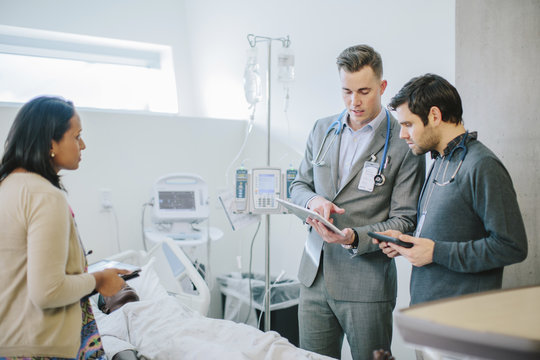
[{"x": 44, "y": 309}]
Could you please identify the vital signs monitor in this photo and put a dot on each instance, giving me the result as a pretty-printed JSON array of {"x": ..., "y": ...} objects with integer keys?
[{"x": 180, "y": 198}]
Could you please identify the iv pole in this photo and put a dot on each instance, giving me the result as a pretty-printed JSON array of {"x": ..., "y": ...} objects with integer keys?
[{"x": 285, "y": 42}]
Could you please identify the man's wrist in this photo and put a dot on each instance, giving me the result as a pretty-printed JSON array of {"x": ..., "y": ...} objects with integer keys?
[
  {"x": 354, "y": 244},
  {"x": 310, "y": 200}
]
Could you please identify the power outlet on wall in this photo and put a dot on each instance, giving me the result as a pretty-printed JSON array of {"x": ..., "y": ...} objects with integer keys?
[{"x": 106, "y": 199}]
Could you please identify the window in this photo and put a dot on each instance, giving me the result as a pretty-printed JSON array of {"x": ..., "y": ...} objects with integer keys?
[{"x": 90, "y": 71}]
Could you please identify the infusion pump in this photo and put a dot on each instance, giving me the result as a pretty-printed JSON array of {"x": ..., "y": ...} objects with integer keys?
[{"x": 256, "y": 192}]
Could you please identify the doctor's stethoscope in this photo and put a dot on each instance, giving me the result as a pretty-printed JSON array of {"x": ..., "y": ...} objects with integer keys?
[
  {"x": 436, "y": 183},
  {"x": 462, "y": 146},
  {"x": 336, "y": 127}
]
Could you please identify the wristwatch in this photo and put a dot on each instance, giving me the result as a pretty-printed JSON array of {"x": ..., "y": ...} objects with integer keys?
[{"x": 354, "y": 244}]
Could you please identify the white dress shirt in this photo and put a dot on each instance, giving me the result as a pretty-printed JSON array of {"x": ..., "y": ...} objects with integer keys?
[{"x": 353, "y": 143}]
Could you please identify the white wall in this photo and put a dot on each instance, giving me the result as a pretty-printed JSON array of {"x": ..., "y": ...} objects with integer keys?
[
  {"x": 413, "y": 37},
  {"x": 127, "y": 152}
]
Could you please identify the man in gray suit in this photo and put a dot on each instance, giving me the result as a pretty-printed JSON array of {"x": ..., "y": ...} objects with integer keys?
[{"x": 361, "y": 175}]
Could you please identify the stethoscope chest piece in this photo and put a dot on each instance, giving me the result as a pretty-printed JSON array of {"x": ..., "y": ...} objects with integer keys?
[{"x": 379, "y": 179}]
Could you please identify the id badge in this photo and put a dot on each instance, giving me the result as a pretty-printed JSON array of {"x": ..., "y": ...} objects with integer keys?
[
  {"x": 420, "y": 225},
  {"x": 367, "y": 180}
]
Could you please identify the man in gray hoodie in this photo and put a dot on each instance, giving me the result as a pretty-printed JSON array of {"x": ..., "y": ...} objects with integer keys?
[{"x": 469, "y": 223}]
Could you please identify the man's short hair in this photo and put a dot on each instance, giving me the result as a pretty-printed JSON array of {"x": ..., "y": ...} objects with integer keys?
[
  {"x": 423, "y": 92},
  {"x": 356, "y": 57}
]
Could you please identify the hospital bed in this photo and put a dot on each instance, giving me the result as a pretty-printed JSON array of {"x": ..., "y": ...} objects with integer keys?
[
  {"x": 175, "y": 271},
  {"x": 169, "y": 321}
]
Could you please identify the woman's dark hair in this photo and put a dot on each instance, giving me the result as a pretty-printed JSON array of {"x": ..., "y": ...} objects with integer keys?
[
  {"x": 423, "y": 92},
  {"x": 29, "y": 142}
]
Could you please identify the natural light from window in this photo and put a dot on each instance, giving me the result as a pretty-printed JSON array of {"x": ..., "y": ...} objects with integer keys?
[{"x": 92, "y": 72}]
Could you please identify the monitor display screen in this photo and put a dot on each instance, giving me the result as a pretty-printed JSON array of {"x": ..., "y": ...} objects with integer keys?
[
  {"x": 177, "y": 200},
  {"x": 266, "y": 184}
]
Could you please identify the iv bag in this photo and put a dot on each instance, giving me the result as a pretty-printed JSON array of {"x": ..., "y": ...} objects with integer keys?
[
  {"x": 286, "y": 65},
  {"x": 252, "y": 78}
]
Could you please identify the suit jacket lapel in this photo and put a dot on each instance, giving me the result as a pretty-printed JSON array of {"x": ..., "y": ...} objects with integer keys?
[{"x": 333, "y": 155}]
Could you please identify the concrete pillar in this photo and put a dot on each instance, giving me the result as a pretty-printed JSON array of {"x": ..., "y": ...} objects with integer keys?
[{"x": 498, "y": 77}]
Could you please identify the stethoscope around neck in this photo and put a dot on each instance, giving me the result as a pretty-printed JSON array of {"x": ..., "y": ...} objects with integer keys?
[
  {"x": 436, "y": 183},
  {"x": 335, "y": 129},
  {"x": 464, "y": 149}
]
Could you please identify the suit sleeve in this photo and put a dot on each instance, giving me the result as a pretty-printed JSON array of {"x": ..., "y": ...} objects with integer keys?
[{"x": 403, "y": 202}]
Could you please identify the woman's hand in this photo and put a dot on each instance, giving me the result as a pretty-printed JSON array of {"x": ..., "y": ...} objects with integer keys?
[{"x": 108, "y": 281}]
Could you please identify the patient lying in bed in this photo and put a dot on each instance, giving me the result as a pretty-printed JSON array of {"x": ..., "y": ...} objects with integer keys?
[{"x": 158, "y": 326}]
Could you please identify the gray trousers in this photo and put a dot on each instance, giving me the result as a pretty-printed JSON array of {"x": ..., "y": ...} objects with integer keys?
[{"x": 324, "y": 321}]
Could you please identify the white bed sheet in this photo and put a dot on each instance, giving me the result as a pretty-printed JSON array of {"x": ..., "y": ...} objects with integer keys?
[
  {"x": 160, "y": 327},
  {"x": 165, "y": 329}
]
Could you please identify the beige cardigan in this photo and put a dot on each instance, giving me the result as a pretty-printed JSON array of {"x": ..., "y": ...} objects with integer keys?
[{"x": 42, "y": 264}]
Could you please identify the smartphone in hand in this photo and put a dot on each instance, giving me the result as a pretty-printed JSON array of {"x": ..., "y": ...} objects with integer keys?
[
  {"x": 390, "y": 239},
  {"x": 131, "y": 275}
]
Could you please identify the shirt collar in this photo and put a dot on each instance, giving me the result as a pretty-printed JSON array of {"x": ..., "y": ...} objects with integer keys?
[
  {"x": 372, "y": 125},
  {"x": 453, "y": 143}
]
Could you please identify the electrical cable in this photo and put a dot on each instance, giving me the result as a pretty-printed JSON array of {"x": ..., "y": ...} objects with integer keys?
[
  {"x": 113, "y": 210},
  {"x": 246, "y": 137},
  {"x": 249, "y": 272},
  {"x": 150, "y": 203},
  {"x": 266, "y": 292},
  {"x": 209, "y": 279}
]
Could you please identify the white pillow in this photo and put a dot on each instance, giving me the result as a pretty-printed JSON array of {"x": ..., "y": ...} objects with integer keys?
[{"x": 147, "y": 285}]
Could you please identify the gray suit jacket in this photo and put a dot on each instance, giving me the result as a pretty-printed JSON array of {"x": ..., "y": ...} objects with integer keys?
[{"x": 367, "y": 275}]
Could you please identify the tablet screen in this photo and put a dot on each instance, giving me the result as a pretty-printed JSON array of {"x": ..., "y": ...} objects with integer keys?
[{"x": 304, "y": 213}]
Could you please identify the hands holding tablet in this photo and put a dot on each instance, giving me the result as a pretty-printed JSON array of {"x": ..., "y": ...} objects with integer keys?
[
  {"x": 307, "y": 214},
  {"x": 419, "y": 251},
  {"x": 318, "y": 216}
]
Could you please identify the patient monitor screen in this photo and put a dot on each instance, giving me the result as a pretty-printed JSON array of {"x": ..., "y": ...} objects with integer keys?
[{"x": 177, "y": 200}]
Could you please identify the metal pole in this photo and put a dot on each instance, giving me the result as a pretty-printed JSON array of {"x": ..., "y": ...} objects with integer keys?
[
  {"x": 269, "y": 102},
  {"x": 252, "y": 39},
  {"x": 267, "y": 277},
  {"x": 267, "y": 237}
]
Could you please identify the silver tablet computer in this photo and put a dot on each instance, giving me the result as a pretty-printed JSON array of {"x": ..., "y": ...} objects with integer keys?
[{"x": 304, "y": 213}]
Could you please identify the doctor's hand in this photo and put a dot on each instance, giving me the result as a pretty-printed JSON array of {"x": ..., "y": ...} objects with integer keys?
[
  {"x": 420, "y": 254},
  {"x": 329, "y": 236},
  {"x": 383, "y": 245},
  {"x": 324, "y": 207},
  {"x": 108, "y": 281}
]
